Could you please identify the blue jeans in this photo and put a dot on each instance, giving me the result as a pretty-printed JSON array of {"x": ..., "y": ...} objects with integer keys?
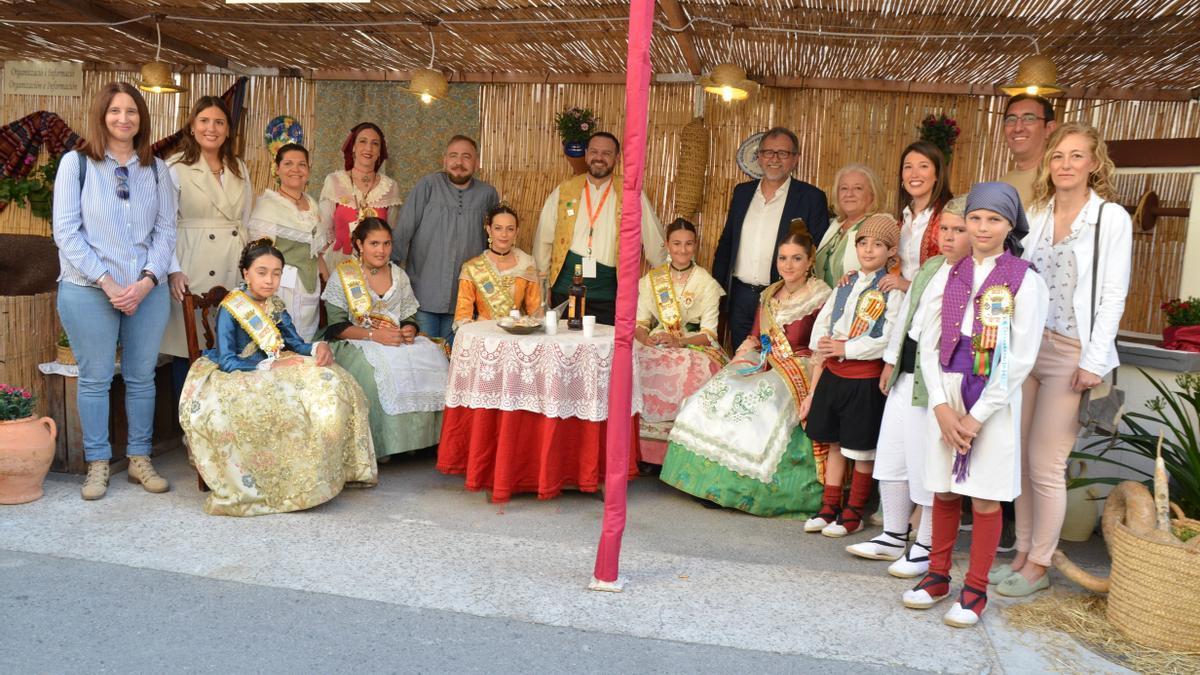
[
  {"x": 437, "y": 325},
  {"x": 94, "y": 327}
]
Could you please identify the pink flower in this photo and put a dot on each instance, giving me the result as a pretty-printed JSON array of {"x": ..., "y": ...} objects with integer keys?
[
  {"x": 26, "y": 394},
  {"x": 584, "y": 126}
]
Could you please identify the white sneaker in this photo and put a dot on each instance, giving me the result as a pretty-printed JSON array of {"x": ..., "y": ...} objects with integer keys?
[
  {"x": 887, "y": 546},
  {"x": 914, "y": 563},
  {"x": 961, "y": 618}
]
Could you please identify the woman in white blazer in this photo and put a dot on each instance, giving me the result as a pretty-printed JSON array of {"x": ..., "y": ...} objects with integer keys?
[{"x": 1072, "y": 199}]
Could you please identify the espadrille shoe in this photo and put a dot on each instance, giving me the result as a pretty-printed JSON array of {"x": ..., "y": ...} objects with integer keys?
[
  {"x": 96, "y": 483},
  {"x": 142, "y": 471}
]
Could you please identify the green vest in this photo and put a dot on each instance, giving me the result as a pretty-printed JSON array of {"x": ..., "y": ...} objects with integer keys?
[{"x": 920, "y": 397}]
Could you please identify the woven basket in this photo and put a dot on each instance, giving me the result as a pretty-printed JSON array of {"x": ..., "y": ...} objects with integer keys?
[
  {"x": 694, "y": 142},
  {"x": 65, "y": 356},
  {"x": 1154, "y": 596}
]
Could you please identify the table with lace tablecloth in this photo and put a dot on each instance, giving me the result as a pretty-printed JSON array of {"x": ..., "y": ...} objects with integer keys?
[{"x": 528, "y": 413}]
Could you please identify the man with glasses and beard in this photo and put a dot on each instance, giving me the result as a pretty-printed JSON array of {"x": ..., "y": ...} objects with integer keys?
[
  {"x": 760, "y": 213},
  {"x": 440, "y": 228},
  {"x": 579, "y": 225}
]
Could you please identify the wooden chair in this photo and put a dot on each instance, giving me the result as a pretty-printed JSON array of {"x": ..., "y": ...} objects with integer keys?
[{"x": 209, "y": 304}]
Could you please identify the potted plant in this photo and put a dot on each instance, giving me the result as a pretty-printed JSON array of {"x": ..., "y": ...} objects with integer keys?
[
  {"x": 942, "y": 131},
  {"x": 1177, "y": 413},
  {"x": 575, "y": 126},
  {"x": 64, "y": 355},
  {"x": 26, "y": 446},
  {"x": 1183, "y": 325}
]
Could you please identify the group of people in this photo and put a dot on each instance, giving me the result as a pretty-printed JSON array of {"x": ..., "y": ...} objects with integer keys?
[{"x": 940, "y": 349}]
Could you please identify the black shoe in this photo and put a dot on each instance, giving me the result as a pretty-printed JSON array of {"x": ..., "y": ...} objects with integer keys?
[{"x": 1008, "y": 537}]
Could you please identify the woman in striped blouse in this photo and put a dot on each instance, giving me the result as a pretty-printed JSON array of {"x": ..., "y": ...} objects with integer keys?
[{"x": 114, "y": 223}]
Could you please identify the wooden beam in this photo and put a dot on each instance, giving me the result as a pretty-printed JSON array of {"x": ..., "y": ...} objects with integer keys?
[
  {"x": 1158, "y": 152},
  {"x": 92, "y": 10},
  {"x": 678, "y": 21},
  {"x": 1101, "y": 93}
]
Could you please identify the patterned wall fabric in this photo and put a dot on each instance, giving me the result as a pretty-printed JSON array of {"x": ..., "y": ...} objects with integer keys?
[{"x": 416, "y": 133}]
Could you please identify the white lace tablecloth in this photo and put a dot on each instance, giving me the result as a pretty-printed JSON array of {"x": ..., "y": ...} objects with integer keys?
[{"x": 563, "y": 375}]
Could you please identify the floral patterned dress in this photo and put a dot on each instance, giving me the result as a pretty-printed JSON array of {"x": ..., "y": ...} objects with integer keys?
[
  {"x": 738, "y": 440},
  {"x": 275, "y": 440}
]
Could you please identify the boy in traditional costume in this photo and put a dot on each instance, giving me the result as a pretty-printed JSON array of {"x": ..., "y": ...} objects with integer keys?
[
  {"x": 978, "y": 345},
  {"x": 900, "y": 457},
  {"x": 845, "y": 407}
]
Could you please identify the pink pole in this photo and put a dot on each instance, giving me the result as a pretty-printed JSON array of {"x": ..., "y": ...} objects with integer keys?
[{"x": 620, "y": 392}]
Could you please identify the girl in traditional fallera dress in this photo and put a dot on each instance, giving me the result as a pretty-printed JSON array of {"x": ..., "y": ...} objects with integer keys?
[
  {"x": 737, "y": 442},
  {"x": 289, "y": 218},
  {"x": 677, "y": 346},
  {"x": 500, "y": 279},
  {"x": 900, "y": 457},
  {"x": 979, "y": 343},
  {"x": 372, "y": 323},
  {"x": 272, "y": 424},
  {"x": 850, "y": 336}
]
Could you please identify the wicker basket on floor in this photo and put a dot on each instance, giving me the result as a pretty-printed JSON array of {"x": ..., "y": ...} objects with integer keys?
[{"x": 1154, "y": 587}]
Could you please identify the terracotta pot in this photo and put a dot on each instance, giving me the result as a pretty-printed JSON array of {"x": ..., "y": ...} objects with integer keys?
[{"x": 26, "y": 451}]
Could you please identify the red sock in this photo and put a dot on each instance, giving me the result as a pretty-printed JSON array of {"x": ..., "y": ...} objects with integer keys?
[
  {"x": 985, "y": 537},
  {"x": 860, "y": 492},
  {"x": 946, "y": 514},
  {"x": 831, "y": 502}
]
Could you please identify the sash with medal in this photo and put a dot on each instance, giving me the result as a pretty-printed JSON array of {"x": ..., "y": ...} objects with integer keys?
[
  {"x": 670, "y": 314},
  {"x": 358, "y": 296},
  {"x": 493, "y": 287},
  {"x": 779, "y": 354},
  {"x": 994, "y": 311},
  {"x": 870, "y": 306},
  {"x": 256, "y": 322}
]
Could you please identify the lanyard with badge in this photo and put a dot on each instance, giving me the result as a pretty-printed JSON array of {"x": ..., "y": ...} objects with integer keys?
[{"x": 589, "y": 261}]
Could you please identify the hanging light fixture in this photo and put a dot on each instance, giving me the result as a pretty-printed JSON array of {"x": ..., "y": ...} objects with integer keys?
[
  {"x": 156, "y": 75},
  {"x": 1036, "y": 76},
  {"x": 429, "y": 84},
  {"x": 729, "y": 82}
]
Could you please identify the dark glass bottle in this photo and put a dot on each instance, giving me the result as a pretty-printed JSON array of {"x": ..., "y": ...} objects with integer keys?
[{"x": 576, "y": 301}]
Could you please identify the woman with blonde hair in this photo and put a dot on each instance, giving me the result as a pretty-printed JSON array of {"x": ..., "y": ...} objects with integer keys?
[
  {"x": 857, "y": 197},
  {"x": 1081, "y": 243}
]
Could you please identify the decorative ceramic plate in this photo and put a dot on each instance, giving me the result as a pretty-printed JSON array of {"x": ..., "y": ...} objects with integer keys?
[
  {"x": 747, "y": 156},
  {"x": 281, "y": 131}
]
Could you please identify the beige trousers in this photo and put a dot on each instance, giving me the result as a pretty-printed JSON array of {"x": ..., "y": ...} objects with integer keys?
[{"x": 1049, "y": 427}]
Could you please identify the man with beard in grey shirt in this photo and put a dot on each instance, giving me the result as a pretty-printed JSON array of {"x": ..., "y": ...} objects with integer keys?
[{"x": 440, "y": 228}]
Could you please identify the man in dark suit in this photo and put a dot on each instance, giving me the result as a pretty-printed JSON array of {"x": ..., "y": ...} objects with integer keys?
[{"x": 759, "y": 215}]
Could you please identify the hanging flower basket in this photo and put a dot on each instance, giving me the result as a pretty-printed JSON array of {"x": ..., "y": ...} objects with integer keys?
[{"x": 575, "y": 126}]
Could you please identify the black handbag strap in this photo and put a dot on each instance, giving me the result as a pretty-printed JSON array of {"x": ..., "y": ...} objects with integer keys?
[{"x": 1096, "y": 276}]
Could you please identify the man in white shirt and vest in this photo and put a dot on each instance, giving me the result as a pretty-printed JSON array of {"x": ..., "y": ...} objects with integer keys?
[
  {"x": 580, "y": 224},
  {"x": 760, "y": 213}
]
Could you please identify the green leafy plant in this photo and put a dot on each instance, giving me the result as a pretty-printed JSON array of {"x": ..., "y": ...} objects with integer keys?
[
  {"x": 1182, "y": 312},
  {"x": 1177, "y": 412},
  {"x": 942, "y": 131},
  {"x": 36, "y": 189},
  {"x": 576, "y": 125},
  {"x": 15, "y": 403},
  {"x": 63, "y": 340}
]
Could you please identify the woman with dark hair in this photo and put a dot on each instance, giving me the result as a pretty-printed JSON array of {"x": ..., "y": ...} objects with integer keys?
[
  {"x": 372, "y": 316},
  {"x": 737, "y": 442},
  {"x": 272, "y": 424},
  {"x": 924, "y": 190},
  {"x": 215, "y": 198},
  {"x": 288, "y": 217},
  {"x": 114, "y": 224},
  {"x": 500, "y": 279},
  {"x": 360, "y": 191},
  {"x": 677, "y": 345}
]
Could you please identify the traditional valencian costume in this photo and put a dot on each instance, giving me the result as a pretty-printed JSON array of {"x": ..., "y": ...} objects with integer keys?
[
  {"x": 979, "y": 343},
  {"x": 670, "y": 375},
  {"x": 271, "y": 440},
  {"x": 405, "y": 384},
  {"x": 299, "y": 236},
  {"x": 486, "y": 292},
  {"x": 738, "y": 440}
]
